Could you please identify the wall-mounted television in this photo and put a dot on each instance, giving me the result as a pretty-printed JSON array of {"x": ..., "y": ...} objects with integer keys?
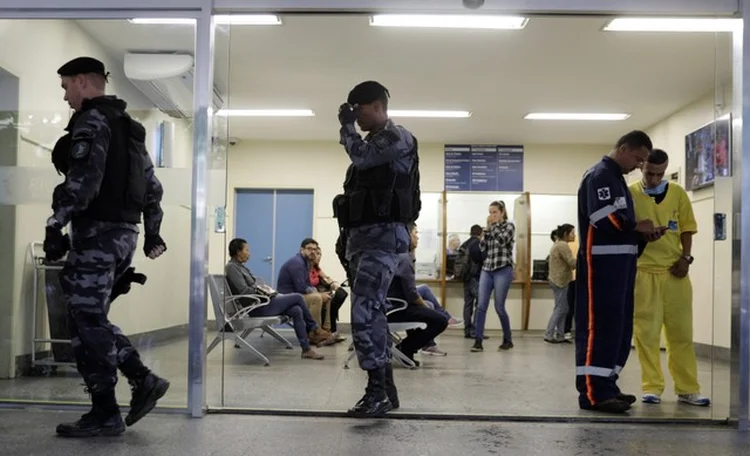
[{"x": 708, "y": 153}]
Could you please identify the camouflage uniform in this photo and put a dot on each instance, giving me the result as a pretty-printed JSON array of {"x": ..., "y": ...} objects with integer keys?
[
  {"x": 372, "y": 250},
  {"x": 101, "y": 253}
]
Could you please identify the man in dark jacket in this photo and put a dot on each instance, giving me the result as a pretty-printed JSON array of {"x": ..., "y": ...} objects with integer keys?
[{"x": 471, "y": 284}]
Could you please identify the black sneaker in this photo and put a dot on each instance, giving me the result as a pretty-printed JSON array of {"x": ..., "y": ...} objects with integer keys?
[
  {"x": 477, "y": 347},
  {"x": 93, "y": 424},
  {"x": 628, "y": 398},
  {"x": 506, "y": 346},
  {"x": 608, "y": 406},
  {"x": 145, "y": 394}
]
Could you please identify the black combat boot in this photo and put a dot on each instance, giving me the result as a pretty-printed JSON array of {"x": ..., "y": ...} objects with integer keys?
[
  {"x": 375, "y": 403},
  {"x": 390, "y": 386},
  {"x": 103, "y": 420},
  {"x": 146, "y": 391}
]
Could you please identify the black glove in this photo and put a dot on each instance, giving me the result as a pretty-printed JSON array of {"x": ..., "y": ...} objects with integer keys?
[
  {"x": 122, "y": 286},
  {"x": 152, "y": 243},
  {"x": 56, "y": 245},
  {"x": 347, "y": 114}
]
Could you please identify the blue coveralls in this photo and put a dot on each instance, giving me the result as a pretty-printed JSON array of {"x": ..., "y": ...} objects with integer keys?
[
  {"x": 606, "y": 280},
  {"x": 372, "y": 250}
]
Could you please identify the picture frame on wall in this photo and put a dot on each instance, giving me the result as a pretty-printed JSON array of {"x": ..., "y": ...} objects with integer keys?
[{"x": 708, "y": 153}]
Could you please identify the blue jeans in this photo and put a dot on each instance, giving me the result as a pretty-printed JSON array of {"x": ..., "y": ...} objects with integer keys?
[
  {"x": 293, "y": 306},
  {"x": 498, "y": 280},
  {"x": 426, "y": 293}
]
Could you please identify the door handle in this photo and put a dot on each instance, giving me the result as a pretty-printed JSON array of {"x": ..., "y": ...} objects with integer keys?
[{"x": 267, "y": 259}]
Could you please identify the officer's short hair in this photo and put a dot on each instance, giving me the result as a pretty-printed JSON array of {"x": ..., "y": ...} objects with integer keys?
[
  {"x": 476, "y": 230},
  {"x": 658, "y": 157},
  {"x": 235, "y": 246},
  {"x": 308, "y": 241},
  {"x": 635, "y": 140}
]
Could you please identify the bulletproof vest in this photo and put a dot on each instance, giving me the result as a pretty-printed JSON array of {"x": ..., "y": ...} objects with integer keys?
[
  {"x": 122, "y": 193},
  {"x": 380, "y": 195}
]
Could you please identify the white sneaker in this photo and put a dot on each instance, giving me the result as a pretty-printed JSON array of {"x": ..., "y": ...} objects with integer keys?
[
  {"x": 694, "y": 399},
  {"x": 649, "y": 398},
  {"x": 568, "y": 336},
  {"x": 434, "y": 351},
  {"x": 455, "y": 322}
]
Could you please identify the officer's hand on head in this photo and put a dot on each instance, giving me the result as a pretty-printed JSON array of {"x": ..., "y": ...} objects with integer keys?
[
  {"x": 347, "y": 114},
  {"x": 154, "y": 246},
  {"x": 56, "y": 244}
]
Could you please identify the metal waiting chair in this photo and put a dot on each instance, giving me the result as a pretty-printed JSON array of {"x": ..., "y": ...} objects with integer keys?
[
  {"x": 397, "y": 305},
  {"x": 233, "y": 321}
]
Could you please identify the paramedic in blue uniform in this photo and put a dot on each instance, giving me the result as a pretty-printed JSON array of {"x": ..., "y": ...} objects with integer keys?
[
  {"x": 381, "y": 196},
  {"x": 609, "y": 236}
]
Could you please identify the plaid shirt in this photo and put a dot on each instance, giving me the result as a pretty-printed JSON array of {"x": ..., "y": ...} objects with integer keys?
[{"x": 498, "y": 242}]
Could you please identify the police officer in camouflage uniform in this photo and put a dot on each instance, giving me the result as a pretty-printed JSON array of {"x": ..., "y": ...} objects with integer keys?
[
  {"x": 109, "y": 182},
  {"x": 381, "y": 196}
]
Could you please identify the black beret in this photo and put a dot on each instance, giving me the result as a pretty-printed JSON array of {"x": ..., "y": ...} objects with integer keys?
[
  {"x": 82, "y": 65},
  {"x": 367, "y": 92}
]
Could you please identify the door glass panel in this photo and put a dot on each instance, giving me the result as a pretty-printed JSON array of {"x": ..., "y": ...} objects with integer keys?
[
  {"x": 38, "y": 363},
  {"x": 593, "y": 70}
]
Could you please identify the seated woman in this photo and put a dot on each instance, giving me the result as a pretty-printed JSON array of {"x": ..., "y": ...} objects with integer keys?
[
  {"x": 404, "y": 287},
  {"x": 325, "y": 284},
  {"x": 242, "y": 281}
]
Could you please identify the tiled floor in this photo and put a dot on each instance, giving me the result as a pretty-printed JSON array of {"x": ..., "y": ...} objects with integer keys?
[
  {"x": 533, "y": 379},
  {"x": 32, "y": 433}
]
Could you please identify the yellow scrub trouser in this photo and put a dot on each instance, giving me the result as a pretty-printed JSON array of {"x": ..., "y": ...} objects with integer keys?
[{"x": 662, "y": 299}]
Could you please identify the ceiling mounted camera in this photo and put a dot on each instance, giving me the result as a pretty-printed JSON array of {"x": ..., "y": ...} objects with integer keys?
[{"x": 473, "y": 4}]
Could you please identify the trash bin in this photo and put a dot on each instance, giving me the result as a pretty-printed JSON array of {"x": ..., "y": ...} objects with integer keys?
[{"x": 57, "y": 309}]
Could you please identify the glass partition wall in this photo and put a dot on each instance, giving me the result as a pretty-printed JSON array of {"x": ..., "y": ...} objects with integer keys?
[
  {"x": 286, "y": 166},
  {"x": 151, "y": 68}
]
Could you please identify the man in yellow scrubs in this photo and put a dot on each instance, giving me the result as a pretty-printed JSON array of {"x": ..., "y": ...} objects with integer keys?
[{"x": 663, "y": 292}]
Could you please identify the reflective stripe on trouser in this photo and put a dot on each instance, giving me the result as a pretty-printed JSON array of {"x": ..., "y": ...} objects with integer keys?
[
  {"x": 372, "y": 251},
  {"x": 604, "y": 320},
  {"x": 90, "y": 271},
  {"x": 663, "y": 300}
]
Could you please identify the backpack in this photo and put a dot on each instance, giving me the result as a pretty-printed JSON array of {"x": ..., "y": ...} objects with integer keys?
[{"x": 465, "y": 268}]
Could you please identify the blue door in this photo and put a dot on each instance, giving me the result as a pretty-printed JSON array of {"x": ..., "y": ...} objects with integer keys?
[
  {"x": 253, "y": 211},
  {"x": 294, "y": 222},
  {"x": 274, "y": 222}
]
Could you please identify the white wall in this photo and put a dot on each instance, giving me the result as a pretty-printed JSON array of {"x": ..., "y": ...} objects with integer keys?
[
  {"x": 32, "y": 51},
  {"x": 321, "y": 165},
  {"x": 711, "y": 272}
]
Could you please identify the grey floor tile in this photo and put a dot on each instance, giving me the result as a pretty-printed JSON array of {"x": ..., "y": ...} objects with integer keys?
[{"x": 533, "y": 379}]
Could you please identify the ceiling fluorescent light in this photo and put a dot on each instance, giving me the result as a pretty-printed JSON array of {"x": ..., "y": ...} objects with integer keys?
[
  {"x": 265, "y": 113},
  {"x": 433, "y": 114},
  {"x": 677, "y": 24},
  {"x": 575, "y": 116},
  {"x": 449, "y": 21},
  {"x": 229, "y": 19}
]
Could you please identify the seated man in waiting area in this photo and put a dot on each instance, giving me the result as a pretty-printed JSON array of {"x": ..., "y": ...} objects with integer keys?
[
  {"x": 404, "y": 287},
  {"x": 294, "y": 277},
  {"x": 324, "y": 284},
  {"x": 242, "y": 282}
]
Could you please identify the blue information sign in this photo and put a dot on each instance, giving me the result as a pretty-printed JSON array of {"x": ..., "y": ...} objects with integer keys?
[{"x": 483, "y": 168}]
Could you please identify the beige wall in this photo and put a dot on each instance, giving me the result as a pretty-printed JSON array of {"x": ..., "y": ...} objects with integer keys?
[
  {"x": 322, "y": 166},
  {"x": 43, "y": 114}
]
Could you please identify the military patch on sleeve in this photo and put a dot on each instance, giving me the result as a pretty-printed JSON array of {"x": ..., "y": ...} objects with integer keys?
[
  {"x": 80, "y": 150},
  {"x": 385, "y": 139}
]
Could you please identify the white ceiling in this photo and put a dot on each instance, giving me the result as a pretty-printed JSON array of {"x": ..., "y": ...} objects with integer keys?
[{"x": 554, "y": 64}]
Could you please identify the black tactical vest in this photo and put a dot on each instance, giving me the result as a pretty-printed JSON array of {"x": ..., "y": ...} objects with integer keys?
[
  {"x": 122, "y": 193},
  {"x": 379, "y": 195}
]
